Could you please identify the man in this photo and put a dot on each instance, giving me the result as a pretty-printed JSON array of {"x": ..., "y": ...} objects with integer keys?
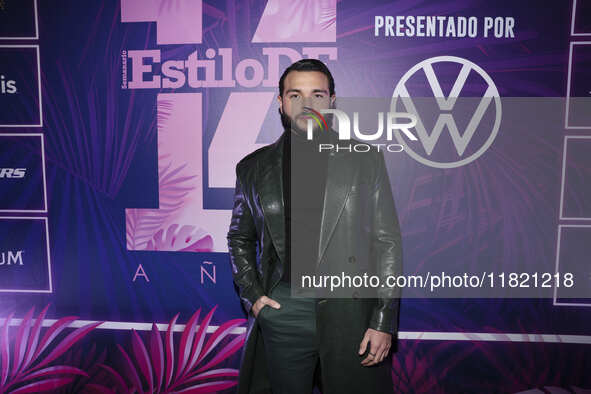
[{"x": 347, "y": 202}]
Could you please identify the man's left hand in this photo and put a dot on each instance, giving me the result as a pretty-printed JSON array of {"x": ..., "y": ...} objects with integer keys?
[{"x": 380, "y": 343}]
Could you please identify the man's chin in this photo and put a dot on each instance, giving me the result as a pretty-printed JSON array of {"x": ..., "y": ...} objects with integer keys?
[{"x": 304, "y": 132}]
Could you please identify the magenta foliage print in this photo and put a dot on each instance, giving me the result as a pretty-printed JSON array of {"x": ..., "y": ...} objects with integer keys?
[
  {"x": 142, "y": 224},
  {"x": 534, "y": 369},
  {"x": 88, "y": 360},
  {"x": 26, "y": 367},
  {"x": 145, "y": 228},
  {"x": 413, "y": 371},
  {"x": 184, "y": 239},
  {"x": 152, "y": 366},
  {"x": 173, "y": 187}
]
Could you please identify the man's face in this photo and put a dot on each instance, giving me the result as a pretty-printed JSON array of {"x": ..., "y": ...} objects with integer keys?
[{"x": 304, "y": 89}]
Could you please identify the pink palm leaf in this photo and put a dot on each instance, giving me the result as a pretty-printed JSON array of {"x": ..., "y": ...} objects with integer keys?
[
  {"x": 28, "y": 366},
  {"x": 157, "y": 369},
  {"x": 173, "y": 187},
  {"x": 87, "y": 359}
]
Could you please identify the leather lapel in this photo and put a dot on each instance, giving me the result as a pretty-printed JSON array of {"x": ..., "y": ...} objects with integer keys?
[
  {"x": 269, "y": 187},
  {"x": 338, "y": 184}
]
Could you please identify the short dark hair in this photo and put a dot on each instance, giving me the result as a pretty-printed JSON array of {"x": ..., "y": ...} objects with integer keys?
[{"x": 308, "y": 65}]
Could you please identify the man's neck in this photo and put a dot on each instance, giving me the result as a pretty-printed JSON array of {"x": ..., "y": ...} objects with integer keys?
[{"x": 302, "y": 137}]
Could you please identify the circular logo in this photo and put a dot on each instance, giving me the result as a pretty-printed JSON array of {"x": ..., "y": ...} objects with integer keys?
[{"x": 447, "y": 103}]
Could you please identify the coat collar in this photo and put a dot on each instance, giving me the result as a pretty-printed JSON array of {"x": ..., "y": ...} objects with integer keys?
[{"x": 269, "y": 187}]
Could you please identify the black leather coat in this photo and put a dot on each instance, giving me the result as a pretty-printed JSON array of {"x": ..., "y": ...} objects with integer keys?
[{"x": 358, "y": 210}]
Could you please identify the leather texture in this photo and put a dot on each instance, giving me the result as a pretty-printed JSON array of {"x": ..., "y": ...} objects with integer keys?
[{"x": 359, "y": 232}]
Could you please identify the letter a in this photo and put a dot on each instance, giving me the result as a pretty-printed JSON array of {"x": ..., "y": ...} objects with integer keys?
[{"x": 140, "y": 272}]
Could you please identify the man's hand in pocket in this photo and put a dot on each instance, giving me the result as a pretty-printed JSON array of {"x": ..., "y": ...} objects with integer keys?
[{"x": 261, "y": 302}]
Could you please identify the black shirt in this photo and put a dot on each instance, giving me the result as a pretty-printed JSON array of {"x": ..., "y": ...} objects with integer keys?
[{"x": 303, "y": 192}]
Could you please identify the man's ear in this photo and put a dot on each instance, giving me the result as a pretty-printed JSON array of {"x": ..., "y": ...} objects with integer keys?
[{"x": 279, "y": 99}]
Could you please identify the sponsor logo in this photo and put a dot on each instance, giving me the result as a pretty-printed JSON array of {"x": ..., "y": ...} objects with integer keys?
[
  {"x": 7, "y": 86},
  {"x": 11, "y": 257},
  {"x": 490, "y": 101},
  {"x": 12, "y": 173}
]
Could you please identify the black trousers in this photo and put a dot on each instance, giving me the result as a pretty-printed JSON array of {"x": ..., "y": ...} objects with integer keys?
[{"x": 293, "y": 352}]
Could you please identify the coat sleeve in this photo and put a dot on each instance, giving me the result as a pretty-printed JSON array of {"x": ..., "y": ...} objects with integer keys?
[
  {"x": 242, "y": 245},
  {"x": 386, "y": 248}
]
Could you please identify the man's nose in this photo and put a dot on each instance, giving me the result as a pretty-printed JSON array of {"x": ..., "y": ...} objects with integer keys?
[{"x": 308, "y": 102}]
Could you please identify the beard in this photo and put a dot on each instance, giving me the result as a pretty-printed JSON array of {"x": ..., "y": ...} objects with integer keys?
[{"x": 289, "y": 124}]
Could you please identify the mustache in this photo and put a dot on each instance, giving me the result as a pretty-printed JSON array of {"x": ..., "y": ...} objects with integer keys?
[{"x": 289, "y": 123}]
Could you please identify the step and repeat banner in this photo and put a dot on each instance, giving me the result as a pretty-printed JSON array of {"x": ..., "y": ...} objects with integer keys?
[{"x": 121, "y": 123}]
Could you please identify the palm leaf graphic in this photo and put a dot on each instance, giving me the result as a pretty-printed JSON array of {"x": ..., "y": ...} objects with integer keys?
[
  {"x": 142, "y": 224},
  {"x": 25, "y": 364},
  {"x": 184, "y": 239},
  {"x": 173, "y": 186},
  {"x": 87, "y": 359},
  {"x": 160, "y": 367}
]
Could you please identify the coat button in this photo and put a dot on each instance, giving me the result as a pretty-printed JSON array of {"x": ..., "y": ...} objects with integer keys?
[{"x": 351, "y": 259}]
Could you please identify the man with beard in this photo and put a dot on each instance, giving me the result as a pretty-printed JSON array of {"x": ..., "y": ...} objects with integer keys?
[{"x": 312, "y": 211}]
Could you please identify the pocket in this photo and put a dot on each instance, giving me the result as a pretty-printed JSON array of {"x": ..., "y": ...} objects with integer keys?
[{"x": 262, "y": 310}]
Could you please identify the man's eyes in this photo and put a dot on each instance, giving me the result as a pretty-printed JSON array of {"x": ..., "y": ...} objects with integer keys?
[{"x": 294, "y": 96}]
